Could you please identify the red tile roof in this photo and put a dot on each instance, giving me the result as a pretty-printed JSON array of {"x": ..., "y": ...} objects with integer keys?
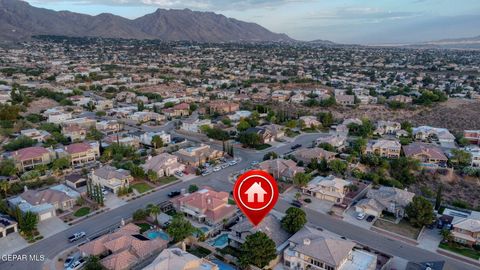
[
  {"x": 29, "y": 153},
  {"x": 77, "y": 148}
]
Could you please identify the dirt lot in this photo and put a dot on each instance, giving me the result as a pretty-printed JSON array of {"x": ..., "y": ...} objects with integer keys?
[
  {"x": 455, "y": 187},
  {"x": 37, "y": 106}
]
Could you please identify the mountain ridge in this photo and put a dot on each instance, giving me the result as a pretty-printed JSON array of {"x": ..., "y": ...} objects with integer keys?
[{"x": 19, "y": 20}]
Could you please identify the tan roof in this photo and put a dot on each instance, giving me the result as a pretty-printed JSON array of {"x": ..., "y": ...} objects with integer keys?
[
  {"x": 109, "y": 172},
  {"x": 311, "y": 153},
  {"x": 416, "y": 148},
  {"x": 284, "y": 167},
  {"x": 471, "y": 225},
  {"x": 119, "y": 261},
  {"x": 51, "y": 196},
  {"x": 318, "y": 245}
]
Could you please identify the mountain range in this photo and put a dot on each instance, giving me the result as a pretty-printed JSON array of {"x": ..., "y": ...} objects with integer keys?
[{"x": 19, "y": 20}]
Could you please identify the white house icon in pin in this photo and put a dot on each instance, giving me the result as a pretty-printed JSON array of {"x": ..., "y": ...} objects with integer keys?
[{"x": 255, "y": 189}]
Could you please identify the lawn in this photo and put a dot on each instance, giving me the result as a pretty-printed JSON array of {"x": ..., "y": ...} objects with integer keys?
[
  {"x": 141, "y": 187},
  {"x": 402, "y": 228},
  {"x": 200, "y": 252},
  {"x": 262, "y": 146},
  {"x": 143, "y": 227},
  {"x": 462, "y": 250},
  {"x": 82, "y": 212},
  {"x": 166, "y": 180}
]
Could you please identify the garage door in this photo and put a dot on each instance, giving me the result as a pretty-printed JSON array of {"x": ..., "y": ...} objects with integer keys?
[{"x": 45, "y": 216}]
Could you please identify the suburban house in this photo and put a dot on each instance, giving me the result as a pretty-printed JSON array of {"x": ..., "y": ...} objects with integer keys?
[
  {"x": 28, "y": 158},
  {"x": 196, "y": 155},
  {"x": 193, "y": 125},
  {"x": 465, "y": 225},
  {"x": 429, "y": 155},
  {"x": 205, "y": 205},
  {"x": 264, "y": 134},
  {"x": 182, "y": 109},
  {"x": 83, "y": 122},
  {"x": 270, "y": 225},
  {"x": 389, "y": 199},
  {"x": 328, "y": 188},
  {"x": 387, "y": 127},
  {"x": 104, "y": 104},
  {"x": 108, "y": 127},
  {"x": 310, "y": 121},
  {"x": 281, "y": 168},
  {"x": 59, "y": 117},
  {"x": 384, "y": 148},
  {"x": 163, "y": 164},
  {"x": 82, "y": 153},
  {"x": 475, "y": 153},
  {"x": 336, "y": 140},
  {"x": 143, "y": 117},
  {"x": 75, "y": 180},
  {"x": 310, "y": 248},
  {"x": 308, "y": 154},
  {"x": 45, "y": 202},
  {"x": 7, "y": 225},
  {"x": 223, "y": 107},
  {"x": 111, "y": 178},
  {"x": 276, "y": 131},
  {"x": 123, "y": 248},
  {"x": 239, "y": 115},
  {"x": 400, "y": 99},
  {"x": 473, "y": 136},
  {"x": 146, "y": 138},
  {"x": 431, "y": 133},
  {"x": 74, "y": 132},
  {"x": 345, "y": 100},
  {"x": 125, "y": 141},
  {"x": 178, "y": 259},
  {"x": 35, "y": 134}
]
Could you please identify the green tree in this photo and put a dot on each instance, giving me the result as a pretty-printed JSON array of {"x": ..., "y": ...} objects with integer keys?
[
  {"x": 438, "y": 199},
  {"x": 327, "y": 147},
  {"x": 19, "y": 143},
  {"x": 180, "y": 228},
  {"x": 4, "y": 187},
  {"x": 154, "y": 210},
  {"x": 140, "y": 106},
  {"x": 460, "y": 158},
  {"x": 294, "y": 220},
  {"x": 28, "y": 222},
  {"x": 420, "y": 212},
  {"x": 258, "y": 249},
  {"x": 157, "y": 142},
  {"x": 270, "y": 155},
  {"x": 93, "y": 263},
  {"x": 192, "y": 188},
  {"x": 94, "y": 134},
  {"x": 61, "y": 163},
  {"x": 243, "y": 125},
  {"x": 7, "y": 167},
  {"x": 152, "y": 175},
  {"x": 337, "y": 166},
  {"x": 301, "y": 179},
  {"x": 446, "y": 235},
  {"x": 249, "y": 139}
]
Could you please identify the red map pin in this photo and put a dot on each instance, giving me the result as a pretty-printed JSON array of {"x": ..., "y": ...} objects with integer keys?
[{"x": 255, "y": 193}]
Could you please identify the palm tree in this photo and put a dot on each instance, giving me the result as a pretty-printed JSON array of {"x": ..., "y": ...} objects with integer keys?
[
  {"x": 4, "y": 186},
  {"x": 154, "y": 210},
  {"x": 29, "y": 223}
]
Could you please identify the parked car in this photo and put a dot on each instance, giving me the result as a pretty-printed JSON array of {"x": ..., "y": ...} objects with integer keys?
[
  {"x": 224, "y": 165},
  {"x": 360, "y": 216},
  {"x": 217, "y": 168},
  {"x": 296, "y": 146},
  {"x": 233, "y": 162},
  {"x": 297, "y": 203},
  {"x": 76, "y": 236},
  {"x": 179, "y": 173},
  {"x": 205, "y": 173},
  {"x": 370, "y": 218},
  {"x": 69, "y": 261},
  {"x": 173, "y": 194},
  {"x": 77, "y": 264}
]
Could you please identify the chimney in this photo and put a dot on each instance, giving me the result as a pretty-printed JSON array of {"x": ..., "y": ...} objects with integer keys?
[
  {"x": 149, "y": 157},
  {"x": 25, "y": 188},
  {"x": 184, "y": 246},
  {"x": 306, "y": 241}
]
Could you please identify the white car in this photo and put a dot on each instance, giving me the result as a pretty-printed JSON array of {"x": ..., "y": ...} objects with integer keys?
[
  {"x": 233, "y": 162},
  {"x": 216, "y": 169},
  {"x": 360, "y": 216},
  {"x": 77, "y": 264},
  {"x": 224, "y": 165}
]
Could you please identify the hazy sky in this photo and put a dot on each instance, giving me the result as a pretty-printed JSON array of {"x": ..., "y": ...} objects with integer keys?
[{"x": 346, "y": 21}]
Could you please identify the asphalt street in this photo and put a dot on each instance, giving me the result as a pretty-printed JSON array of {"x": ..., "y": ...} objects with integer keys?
[{"x": 55, "y": 244}]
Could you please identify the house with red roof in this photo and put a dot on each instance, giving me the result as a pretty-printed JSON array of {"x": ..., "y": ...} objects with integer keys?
[
  {"x": 205, "y": 205},
  {"x": 182, "y": 109},
  {"x": 82, "y": 153},
  {"x": 28, "y": 158}
]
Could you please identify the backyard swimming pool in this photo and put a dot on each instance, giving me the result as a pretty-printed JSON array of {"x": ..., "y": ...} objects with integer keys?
[
  {"x": 156, "y": 234},
  {"x": 221, "y": 241},
  {"x": 223, "y": 265}
]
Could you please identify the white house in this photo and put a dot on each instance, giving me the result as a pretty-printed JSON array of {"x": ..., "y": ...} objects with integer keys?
[{"x": 256, "y": 190}]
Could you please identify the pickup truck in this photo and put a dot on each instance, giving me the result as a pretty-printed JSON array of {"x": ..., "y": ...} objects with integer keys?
[{"x": 76, "y": 236}]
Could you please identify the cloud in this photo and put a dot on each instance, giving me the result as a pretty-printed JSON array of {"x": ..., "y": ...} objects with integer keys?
[
  {"x": 212, "y": 5},
  {"x": 365, "y": 14}
]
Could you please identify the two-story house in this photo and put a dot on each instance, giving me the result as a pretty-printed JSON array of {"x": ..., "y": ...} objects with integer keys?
[
  {"x": 82, "y": 153},
  {"x": 28, "y": 158},
  {"x": 111, "y": 178},
  {"x": 384, "y": 148},
  {"x": 163, "y": 164},
  {"x": 329, "y": 188}
]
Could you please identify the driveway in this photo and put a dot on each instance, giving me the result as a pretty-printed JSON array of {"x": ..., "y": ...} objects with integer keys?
[
  {"x": 51, "y": 226},
  {"x": 350, "y": 217},
  {"x": 112, "y": 201},
  {"x": 12, "y": 243},
  {"x": 319, "y": 205},
  {"x": 430, "y": 239}
]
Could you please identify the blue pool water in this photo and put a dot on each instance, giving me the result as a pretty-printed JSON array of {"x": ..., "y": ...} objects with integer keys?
[
  {"x": 222, "y": 265},
  {"x": 156, "y": 234},
  {"x": 220, "y": 241}
]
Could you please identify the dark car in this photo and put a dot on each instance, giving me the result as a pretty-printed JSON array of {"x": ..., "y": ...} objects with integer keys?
[
  {"x": 173, "y": 194},
  {"x": 297, "y": 203},
  {"x": 370, "y": 218},
  {"x": 296, "y": 146}
]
